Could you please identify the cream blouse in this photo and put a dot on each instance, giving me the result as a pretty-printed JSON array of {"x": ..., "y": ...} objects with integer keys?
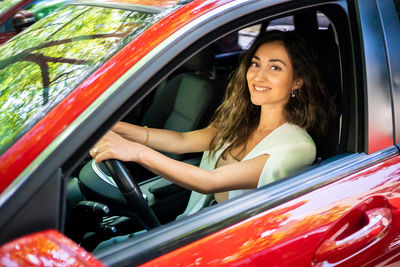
[{"x": 290, "y": 149}]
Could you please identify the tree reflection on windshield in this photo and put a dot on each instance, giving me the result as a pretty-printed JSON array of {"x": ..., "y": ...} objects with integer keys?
[
  {"x": 7, "y": 4},
  {"x": 39, "y": 67}
]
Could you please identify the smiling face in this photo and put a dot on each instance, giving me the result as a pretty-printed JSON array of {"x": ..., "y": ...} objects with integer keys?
[{"x": 270, "y": 76}]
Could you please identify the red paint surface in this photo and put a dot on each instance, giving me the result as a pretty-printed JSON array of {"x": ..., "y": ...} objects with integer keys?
[
  {"x": 48, "y": 248},
  {"x": 290, "y": 234},
  {"x": 29, "y": 146},
  {"x": 378, "y": 140},
  {"x": 4, "y": 37}
]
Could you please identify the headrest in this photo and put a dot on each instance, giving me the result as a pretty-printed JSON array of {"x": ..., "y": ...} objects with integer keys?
[
  {"x": 324, "y": 44},
  {"x": 202, "y": 61}
]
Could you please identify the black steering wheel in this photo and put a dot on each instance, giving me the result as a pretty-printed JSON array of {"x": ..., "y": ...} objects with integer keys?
[{"x": 132, "y": 193}]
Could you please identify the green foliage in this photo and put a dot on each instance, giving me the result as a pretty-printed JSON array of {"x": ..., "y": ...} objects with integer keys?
[
  {"x": 42, "y": 65},
  {"x": 42, "y": 9},
  {"x": 7, "y": 4}
]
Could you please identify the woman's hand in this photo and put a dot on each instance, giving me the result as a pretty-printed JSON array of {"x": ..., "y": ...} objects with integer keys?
[{"x": 114, "y": 146}]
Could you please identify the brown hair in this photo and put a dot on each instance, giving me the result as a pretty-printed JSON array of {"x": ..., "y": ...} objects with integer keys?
[{"x": 237, "y": 117}]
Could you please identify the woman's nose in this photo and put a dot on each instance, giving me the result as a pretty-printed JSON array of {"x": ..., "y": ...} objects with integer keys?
[{"x": 261, "y": 75}]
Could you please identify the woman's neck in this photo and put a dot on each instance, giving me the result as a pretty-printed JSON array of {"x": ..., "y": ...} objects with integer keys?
[{"x": 271, "y": 118}]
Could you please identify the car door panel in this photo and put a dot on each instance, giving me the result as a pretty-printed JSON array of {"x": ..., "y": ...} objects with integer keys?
[
  {"x": 290, "y": 234},
  {"x": 391, "y": 33},
  {"x": 379, "y": 130}
]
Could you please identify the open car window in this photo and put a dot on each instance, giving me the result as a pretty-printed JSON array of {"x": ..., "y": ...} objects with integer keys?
[
  {"x": 179, "y": 92},
  {"x": 185, "y": 100}
]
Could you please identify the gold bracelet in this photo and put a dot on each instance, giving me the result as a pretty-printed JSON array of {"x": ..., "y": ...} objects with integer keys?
[{"x": 147, "y": 135}]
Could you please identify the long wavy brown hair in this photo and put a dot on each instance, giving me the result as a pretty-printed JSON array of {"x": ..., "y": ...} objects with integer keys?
[{"x": 237, "y": 117}]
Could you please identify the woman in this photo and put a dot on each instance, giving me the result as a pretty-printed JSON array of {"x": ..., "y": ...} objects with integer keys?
[{"x": 258, "y": 134}]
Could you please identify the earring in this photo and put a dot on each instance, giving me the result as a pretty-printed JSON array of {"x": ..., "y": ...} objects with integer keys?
[{"x": 293, "y": 94}]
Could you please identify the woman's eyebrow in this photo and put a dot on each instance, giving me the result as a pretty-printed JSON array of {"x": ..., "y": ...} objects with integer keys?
[
  {"x": 271, "y": 60},
  {"x": 277, "y": 60}
]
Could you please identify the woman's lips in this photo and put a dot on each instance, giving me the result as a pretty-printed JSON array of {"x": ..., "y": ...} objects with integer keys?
[{"x": 261, "y": 88}]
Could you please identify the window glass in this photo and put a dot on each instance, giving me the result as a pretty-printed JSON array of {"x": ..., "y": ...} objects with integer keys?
[
  {"x": 323, "y": 21},
  {"x": 282, "y": 24},
  {"x": 42, "y": 65},
  {"x": 247, "y": 35},
  {"x": 7, "y": 4}
]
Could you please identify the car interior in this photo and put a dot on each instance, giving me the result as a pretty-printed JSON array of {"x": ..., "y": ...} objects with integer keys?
[{"x": 185, "y": 101}]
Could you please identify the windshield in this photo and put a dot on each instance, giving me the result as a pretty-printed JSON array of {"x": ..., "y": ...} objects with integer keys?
[
  {"x": 43, "y": 8},
  {"x": 39, "y": 67}
]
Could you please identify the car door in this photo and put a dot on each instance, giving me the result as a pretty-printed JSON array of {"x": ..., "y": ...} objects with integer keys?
[{"x": 342, "y": 211}]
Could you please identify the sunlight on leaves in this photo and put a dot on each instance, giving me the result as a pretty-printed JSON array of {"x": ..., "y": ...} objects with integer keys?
[
  {"x": 43, "y": 64},
  {"x": 7, "y": 4}
]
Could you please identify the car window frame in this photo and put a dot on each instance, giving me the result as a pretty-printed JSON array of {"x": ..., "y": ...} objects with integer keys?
[
  {"x": 146, "y": 242},
  {"x": 144, "y": 245},
  {"x": 163, "y": 245}
]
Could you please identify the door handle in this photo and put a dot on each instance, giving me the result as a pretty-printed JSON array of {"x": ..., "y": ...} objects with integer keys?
[{"x": 378, "y": 223}]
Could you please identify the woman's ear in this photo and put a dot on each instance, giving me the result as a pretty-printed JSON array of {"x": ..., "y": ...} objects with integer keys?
[{"x": 297, "y": 84}]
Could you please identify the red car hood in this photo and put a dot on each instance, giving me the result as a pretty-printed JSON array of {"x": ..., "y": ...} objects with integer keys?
[{"x": 48, "y": 248}]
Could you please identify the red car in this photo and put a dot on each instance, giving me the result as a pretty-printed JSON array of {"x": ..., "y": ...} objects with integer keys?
[{"x": 70, "y": 77}]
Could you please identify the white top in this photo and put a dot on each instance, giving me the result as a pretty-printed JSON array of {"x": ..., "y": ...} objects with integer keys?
[{"x": 290, "y": 149}]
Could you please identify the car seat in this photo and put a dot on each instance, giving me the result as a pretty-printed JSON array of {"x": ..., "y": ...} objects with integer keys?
[
  {"x": 187, "y": 101},
  {"x": 328, "y": 61},
  {"x": 183, "y": 103}
]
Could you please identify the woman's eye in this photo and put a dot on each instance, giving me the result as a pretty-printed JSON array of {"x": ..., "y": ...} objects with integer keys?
[
  {"x": 254, "y": 64},
  {"x": 276, "y": 68}
]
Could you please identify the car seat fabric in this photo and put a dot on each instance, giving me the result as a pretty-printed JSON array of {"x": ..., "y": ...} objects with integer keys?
[
  {"x": 187, "y": 101},
  {"x": 328, "y": 61}
]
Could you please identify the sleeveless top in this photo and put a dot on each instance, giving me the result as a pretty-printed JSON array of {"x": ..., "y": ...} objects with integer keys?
[{"x": 290, "y": 149}]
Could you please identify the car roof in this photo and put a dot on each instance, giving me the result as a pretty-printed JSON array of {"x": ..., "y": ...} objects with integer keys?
[{"x": 130, "y": 4}]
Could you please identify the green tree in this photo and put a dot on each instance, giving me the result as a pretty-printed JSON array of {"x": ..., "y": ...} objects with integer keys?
[{"x": 39, "y": 67}]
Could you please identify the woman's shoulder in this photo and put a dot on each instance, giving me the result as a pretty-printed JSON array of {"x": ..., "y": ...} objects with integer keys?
[
  {"x": 286, "y": 139},
  {"x": 290, "y": 133}
]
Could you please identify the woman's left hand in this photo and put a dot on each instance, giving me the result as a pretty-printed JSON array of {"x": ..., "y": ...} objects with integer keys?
[{"x": 113, "y": 146}]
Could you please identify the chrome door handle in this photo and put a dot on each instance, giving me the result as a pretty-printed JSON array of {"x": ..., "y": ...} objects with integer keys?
[{"x": 379, "y": 221}]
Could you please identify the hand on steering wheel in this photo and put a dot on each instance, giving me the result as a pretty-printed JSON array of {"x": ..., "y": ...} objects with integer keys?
[{"x": 132, "y": 193}]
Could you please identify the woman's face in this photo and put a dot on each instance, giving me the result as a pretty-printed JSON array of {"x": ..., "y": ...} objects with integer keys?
[{"x": 270, "y": 76}]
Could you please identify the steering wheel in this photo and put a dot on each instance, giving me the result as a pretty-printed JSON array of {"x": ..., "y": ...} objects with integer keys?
[{"x": 132, "y": 193}]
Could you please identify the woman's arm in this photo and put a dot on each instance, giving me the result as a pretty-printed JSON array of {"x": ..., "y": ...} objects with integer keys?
[
  {"x": 166, "y": 140},
  {"x": 241, "y": 175}
]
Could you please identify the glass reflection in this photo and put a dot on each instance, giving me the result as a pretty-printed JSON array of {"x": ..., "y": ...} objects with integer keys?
[
  {"x": 39, "y": 67},
  {"x": 7, "y": 4}
]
